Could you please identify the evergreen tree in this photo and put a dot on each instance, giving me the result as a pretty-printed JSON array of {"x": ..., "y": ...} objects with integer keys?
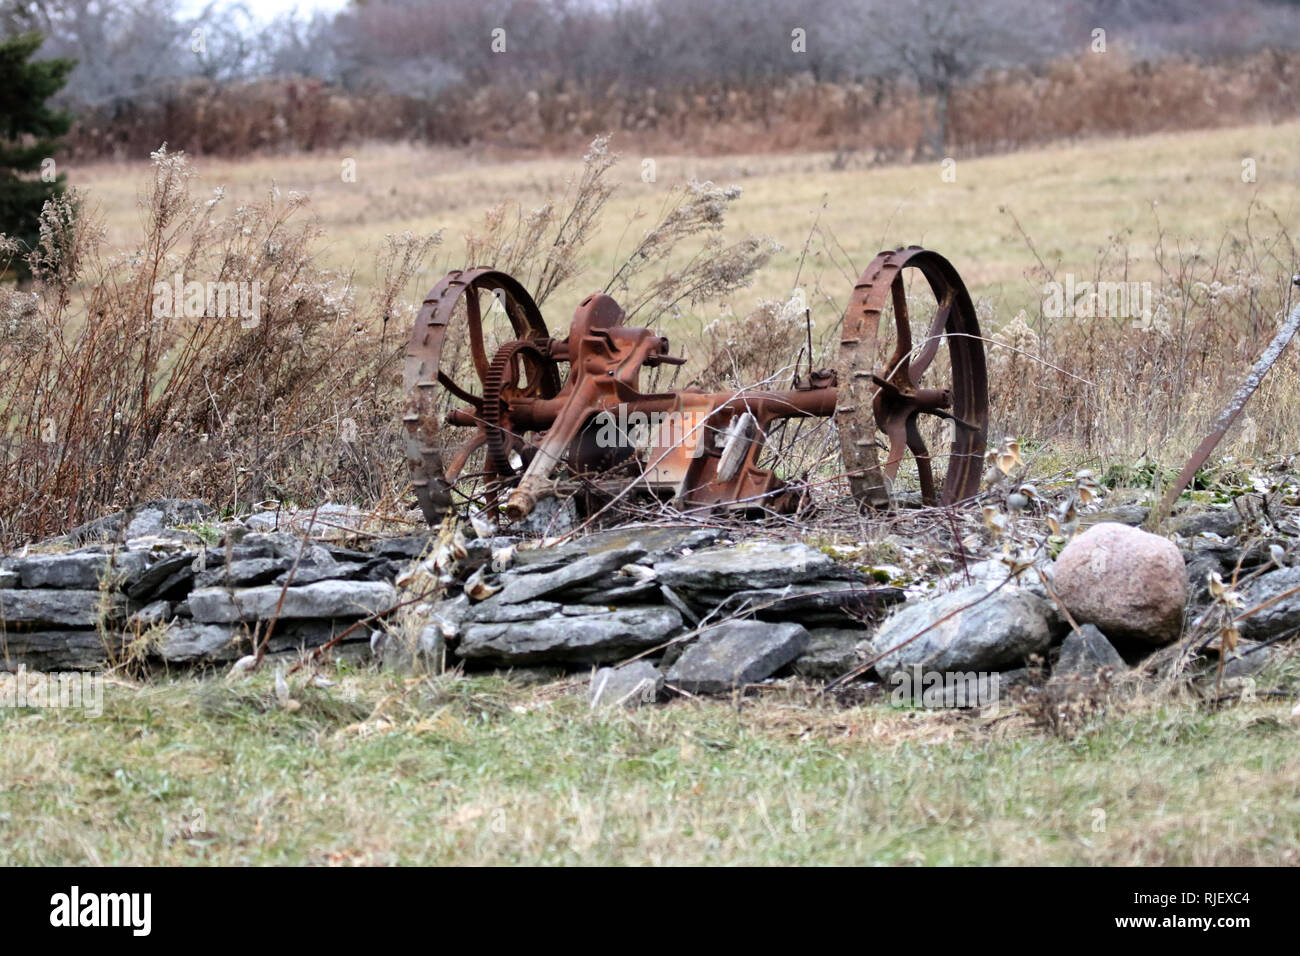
[{"x": 29, "y": 133}]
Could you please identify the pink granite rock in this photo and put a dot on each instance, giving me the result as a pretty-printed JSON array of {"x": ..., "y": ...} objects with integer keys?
[{"x": 1128, "y": 582}]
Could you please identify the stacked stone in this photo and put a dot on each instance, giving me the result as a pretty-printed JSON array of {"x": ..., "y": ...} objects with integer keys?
[
  {"x": 162, "y": 599},
  {"x": 668, "y": 593},
  {"x": 698, "y": 613}
]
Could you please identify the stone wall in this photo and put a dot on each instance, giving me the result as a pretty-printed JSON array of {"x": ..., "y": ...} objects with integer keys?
[
  {"x": 168, "y": 598},
  {"x": 691, "y": 608}
]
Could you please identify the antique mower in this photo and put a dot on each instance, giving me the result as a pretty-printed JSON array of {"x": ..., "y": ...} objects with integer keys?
[{"x": 495, "y": 424}]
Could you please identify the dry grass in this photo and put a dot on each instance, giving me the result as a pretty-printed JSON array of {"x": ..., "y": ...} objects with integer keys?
[
  {"x": 267, "y": 381},
  {"x": 454, "y": 769},
  {"x": 1071, "y": 199},
  {"x": 1144, "y": 389},
  {"x": 113, "y": 392},
  {"x": 207, "y": 409}
]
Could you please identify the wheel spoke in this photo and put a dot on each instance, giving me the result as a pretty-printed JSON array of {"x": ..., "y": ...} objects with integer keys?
[
  {"x": 897, "y": 434},
  {"x": 898, "y": 364},
  {"x": 916, "y": 444},
  {"x": 461, "y": 457},
  {"x": 465, "y": 396},
  {"x": 959, "y": 422},
  {"x": 888, "y": 388},
  {"x": 932, "y": 340},
  {"x": 474, "y": 321}
]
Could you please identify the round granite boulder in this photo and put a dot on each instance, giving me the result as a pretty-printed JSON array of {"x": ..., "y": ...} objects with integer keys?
[{"x": 1128, "y": 582}]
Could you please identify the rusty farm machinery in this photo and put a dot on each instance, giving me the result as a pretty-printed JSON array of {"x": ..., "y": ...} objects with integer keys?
[{"x": 496, "y": 423}]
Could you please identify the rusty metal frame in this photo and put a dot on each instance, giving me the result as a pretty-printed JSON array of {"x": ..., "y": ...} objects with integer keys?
[{"x": 520, "y": 393}]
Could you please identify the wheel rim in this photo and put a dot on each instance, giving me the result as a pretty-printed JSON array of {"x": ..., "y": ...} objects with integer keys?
[
  {"x": 457, "y": 360},
  {"x": 902, "y": 371}
]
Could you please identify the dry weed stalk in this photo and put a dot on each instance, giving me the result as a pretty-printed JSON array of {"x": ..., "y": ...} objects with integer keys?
[
  {"x": 1127, "y": 388},
  {"x": 541, "y": 248},
  {"x": 113, "y": 393}
]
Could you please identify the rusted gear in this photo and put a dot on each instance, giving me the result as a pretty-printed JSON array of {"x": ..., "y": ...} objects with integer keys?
[
  {"x": 500, "y": 385},
  {"x": 431, "y": 381},
  {"x": 893, "y": 389}
]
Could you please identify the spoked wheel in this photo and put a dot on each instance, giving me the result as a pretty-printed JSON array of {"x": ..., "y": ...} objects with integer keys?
[
  {"x": 471, "y": 353},
  {"x": 911, "y": 365}
]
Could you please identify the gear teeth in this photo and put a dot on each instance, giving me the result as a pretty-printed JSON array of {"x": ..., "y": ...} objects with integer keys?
[{"x": 495, "y": 409}]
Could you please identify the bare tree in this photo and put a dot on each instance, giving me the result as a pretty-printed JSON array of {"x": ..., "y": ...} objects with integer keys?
[
  {"x": 224, "y": 40},
  {"x": 943, "y": 43},
  {"x": 134, "y": 50},
  {"x": 294, "y": 45}
]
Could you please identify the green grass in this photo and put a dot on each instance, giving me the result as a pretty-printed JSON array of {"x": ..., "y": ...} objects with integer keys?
[{"x": 456, "y": 770}]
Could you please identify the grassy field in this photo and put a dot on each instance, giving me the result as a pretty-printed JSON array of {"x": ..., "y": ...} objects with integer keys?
[
  {"x": 1170, "y": 209},
  {"x": 456, "y": 770},
  {"x": 374, "y": 769},
  {"x": 1074, "y": 201}
]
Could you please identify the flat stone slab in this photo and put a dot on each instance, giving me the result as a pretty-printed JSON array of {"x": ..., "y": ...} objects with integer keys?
[
  {"x": 324, "y": 599},
  {"x": 493, "y": 613},
  {"x": 528, "y": 587},
  {"x": 1085, "y": 652},
  {"x": 1248, "y": 660},
  {"x": 330, "y": 520},
  {"x": 349, "y": 571},
  {"x": 631, "y": 685},
  {"x": 594, "y": 638},
  {"x": 153, "y": 518},
  {"x": 749, "y": 565},
  {"x": 735, "y": 654},
  {"x": 832, "y": 652},
  {"x": 1130, "y": 514},
  {"x": 1277, "y": 617},
  {"x": 186, "y": 641},
  {"x": 246, "y": 573},
  {"x": 1224, "y": 522},
  {"x": 820, "y": 596},
  {"x": 635, "y": 593},
  {"x": 61, "y": 650},
  {"x": 410, "y": 546},
  {"x": 960, "y": 632},
  {"x": 156, "y": 612},
  {"x": 79, "y": 569},
  {"x": 307, "y": 633},
  {"x": 275, "y": 544},
  {"x": 658, "y": 542},
  {"x": 163, "y": 575},
  {"x": 58, "y": 608}
]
